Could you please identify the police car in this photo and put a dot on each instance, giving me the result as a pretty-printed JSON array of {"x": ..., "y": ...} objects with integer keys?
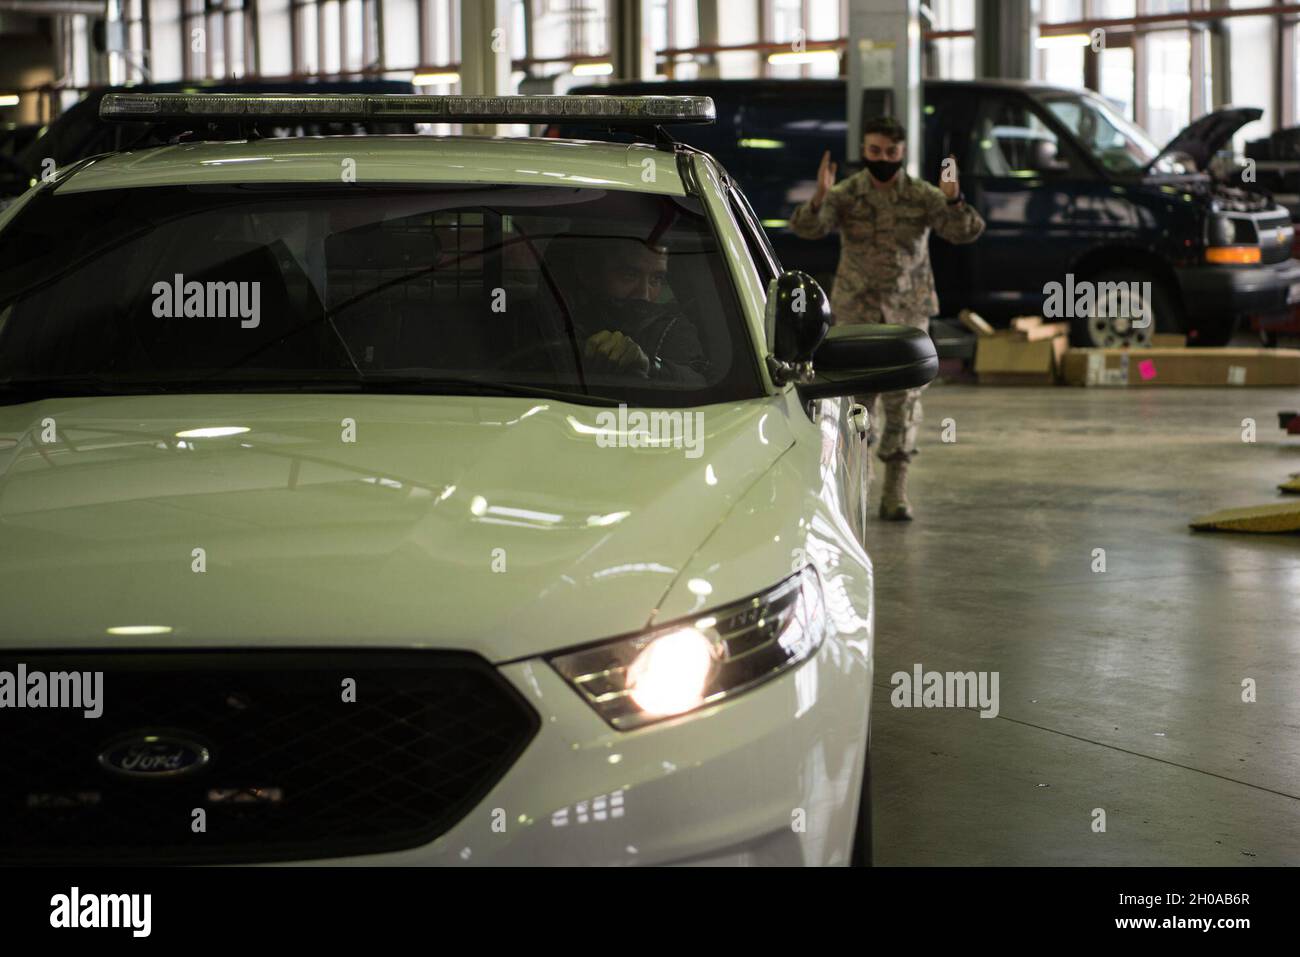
[{"x": 428, "y": 500}]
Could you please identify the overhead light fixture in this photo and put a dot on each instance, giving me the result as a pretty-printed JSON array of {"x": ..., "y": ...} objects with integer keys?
[
  {"x": 434, "y": 79},
  {"x": 133, "y": 630},
  {"x": 593, "y": 69},
  {"x": 805, "y": 56},
  {"x": 8, "y": 99},
  {"x": 1063, "y": 40}
]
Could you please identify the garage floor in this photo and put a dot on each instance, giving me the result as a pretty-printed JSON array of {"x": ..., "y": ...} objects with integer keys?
[{"x": 1119, "y": 690}]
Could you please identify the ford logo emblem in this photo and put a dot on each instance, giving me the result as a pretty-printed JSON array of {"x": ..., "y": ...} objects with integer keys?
[{"x": 153, "y": 756}]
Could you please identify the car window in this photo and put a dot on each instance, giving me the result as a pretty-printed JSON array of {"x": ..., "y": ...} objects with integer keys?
[
  {"x": 1010, "y": 139},
  {"x": 237, "y": 287}
]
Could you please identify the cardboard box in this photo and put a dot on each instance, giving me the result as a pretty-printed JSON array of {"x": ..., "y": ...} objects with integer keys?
[
  {"x": 974, "y": 322},
  {"x": 1006, "y": 358},
  {"x": 1182, "y": 367},
  {"x": 1025, "y": 323},
  {"x": 1045, "y": 330},
  {"x": 1168, "y": 340}
]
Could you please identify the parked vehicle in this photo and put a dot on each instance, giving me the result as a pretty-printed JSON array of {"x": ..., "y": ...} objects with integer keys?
[
  {"x": 481, "y": 583},
  {"x": 1071, "y": 191}
]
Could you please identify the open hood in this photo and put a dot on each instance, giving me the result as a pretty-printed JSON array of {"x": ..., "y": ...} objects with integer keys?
[{"x": 1204, "y": 137}]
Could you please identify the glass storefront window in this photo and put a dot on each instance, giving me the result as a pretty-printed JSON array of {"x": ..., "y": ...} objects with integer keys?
[{"x": 1169, "y": 83}]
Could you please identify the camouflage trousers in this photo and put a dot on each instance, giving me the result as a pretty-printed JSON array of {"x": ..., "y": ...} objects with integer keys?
[
  {"x": 893, "y": 437},
  {"x": 894, "y": 440}
]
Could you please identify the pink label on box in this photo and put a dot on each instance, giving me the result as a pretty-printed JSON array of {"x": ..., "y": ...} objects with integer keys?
[{"x": 1147, "y": 369}]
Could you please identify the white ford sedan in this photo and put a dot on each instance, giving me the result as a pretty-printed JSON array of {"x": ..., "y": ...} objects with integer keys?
[{"x": 427, "y": 500}]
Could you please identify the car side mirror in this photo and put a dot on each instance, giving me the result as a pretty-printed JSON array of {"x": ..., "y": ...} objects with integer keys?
[
  {"x": 796, "y": 321},
  {"x": 867, "y": 358}
]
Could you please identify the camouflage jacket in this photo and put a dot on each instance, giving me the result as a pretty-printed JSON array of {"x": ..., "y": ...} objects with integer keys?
[{"x": 884, "y": 273}]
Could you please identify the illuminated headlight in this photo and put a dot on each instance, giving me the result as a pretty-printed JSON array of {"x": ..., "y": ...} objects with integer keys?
[{"x": 687, "y": 665}]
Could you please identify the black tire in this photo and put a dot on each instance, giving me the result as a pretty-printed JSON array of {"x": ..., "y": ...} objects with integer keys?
[
  {"x": 861, "y": 855},
  {"x": 1096, "y": 331}
]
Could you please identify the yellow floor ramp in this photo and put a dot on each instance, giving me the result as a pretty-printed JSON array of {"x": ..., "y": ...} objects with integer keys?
[{"x": 1257, "y": 518}]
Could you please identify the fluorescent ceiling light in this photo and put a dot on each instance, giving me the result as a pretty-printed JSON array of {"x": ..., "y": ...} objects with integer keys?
[{"x": 593, "y": 69}]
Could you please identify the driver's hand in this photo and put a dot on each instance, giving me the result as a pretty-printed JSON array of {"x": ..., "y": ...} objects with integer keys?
[{"x": 617, "y": 350}]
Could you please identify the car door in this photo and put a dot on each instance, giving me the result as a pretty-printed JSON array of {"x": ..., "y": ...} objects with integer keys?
[
  {"x": 842, "y": 420},
  {"x": 1028, "y": 204}
]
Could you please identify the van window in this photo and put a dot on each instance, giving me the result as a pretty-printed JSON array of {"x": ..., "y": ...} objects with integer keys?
[
  {"x": 1118, "y": 145},
  {"x": 1009, "y": 139}
]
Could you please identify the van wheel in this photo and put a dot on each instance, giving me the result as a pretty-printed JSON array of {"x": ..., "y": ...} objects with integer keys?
[{"x": 1123, "y": 320}]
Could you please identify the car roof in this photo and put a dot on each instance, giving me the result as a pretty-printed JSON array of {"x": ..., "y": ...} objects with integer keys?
[{"x": 395, "y": 158}]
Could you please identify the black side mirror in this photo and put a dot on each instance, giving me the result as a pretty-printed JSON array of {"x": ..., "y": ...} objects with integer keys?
[
  {"x": 869, "y": 358},
  {"x": 797, "y": 319}
]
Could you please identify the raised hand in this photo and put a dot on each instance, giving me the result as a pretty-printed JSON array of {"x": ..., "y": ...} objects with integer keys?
[{"x": 825, "y": 178}]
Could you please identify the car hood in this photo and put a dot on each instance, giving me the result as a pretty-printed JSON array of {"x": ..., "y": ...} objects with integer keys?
[
  {"x": 504, "y": 526},
  {"x": 1204, "y": 137}
]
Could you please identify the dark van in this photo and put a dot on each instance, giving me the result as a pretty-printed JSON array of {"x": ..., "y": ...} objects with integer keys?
[{"x": 1071, "y": 192}]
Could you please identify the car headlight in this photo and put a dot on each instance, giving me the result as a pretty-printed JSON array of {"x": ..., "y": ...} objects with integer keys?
[
  {"x": 1221, "y": 230},
  {"x": 686, "y": 665}
]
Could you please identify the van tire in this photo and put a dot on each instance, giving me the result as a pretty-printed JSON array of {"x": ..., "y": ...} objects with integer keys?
[{"x": 1086, "y": 332}]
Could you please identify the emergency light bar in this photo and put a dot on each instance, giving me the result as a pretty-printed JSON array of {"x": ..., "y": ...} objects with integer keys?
[{"x": 407, "y": 107}]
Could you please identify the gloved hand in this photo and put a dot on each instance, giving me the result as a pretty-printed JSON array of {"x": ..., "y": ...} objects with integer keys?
[{"x": 615, "y": 350}]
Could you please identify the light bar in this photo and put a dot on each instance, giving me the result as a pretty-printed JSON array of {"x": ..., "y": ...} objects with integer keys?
[{"x": 408, "y": 107}]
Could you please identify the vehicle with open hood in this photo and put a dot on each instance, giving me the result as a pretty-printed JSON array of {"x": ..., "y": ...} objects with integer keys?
[{"x": 1072, "y": 192}]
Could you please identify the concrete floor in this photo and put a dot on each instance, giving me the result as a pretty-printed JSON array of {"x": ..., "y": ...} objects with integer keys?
[{"x": 1118, "y": 690}]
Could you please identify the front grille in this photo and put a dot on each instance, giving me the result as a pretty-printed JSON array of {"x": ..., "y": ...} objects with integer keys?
[{"x": 293, "y": 772}]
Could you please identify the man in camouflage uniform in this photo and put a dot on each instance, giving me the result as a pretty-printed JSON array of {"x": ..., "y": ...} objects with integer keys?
[{"x": 884, "y": 218}]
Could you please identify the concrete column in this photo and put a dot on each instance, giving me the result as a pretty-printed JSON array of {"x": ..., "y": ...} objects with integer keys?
[
  {"x": 484, "y": 53},
  {"x": 629, "y": 41},
  {"x": 707, "y": 14},
  {"x": 1006, "y": 32},
  {"x": 884, "y": 51},
  {"x": 1198, "y": 43}
]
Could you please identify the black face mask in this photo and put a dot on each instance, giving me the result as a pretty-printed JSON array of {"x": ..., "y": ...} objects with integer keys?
[{"x": 883, "y": 170}]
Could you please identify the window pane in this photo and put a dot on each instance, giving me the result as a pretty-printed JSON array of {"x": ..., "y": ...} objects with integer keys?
[
  {"x": 1169, "y": 84},
  {"x": 955, "y": 58},
  {"x": 1116, "y": 76},
  {"x": 1252, "y": 64}
]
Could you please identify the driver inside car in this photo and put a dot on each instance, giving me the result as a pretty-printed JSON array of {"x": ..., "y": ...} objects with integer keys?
[{"x": 615, "y": 290}]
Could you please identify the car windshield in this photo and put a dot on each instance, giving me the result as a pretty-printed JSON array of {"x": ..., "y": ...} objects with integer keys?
[
  {"x": 1117, "y": 144},
  {"x": 586, "y": 293}
]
